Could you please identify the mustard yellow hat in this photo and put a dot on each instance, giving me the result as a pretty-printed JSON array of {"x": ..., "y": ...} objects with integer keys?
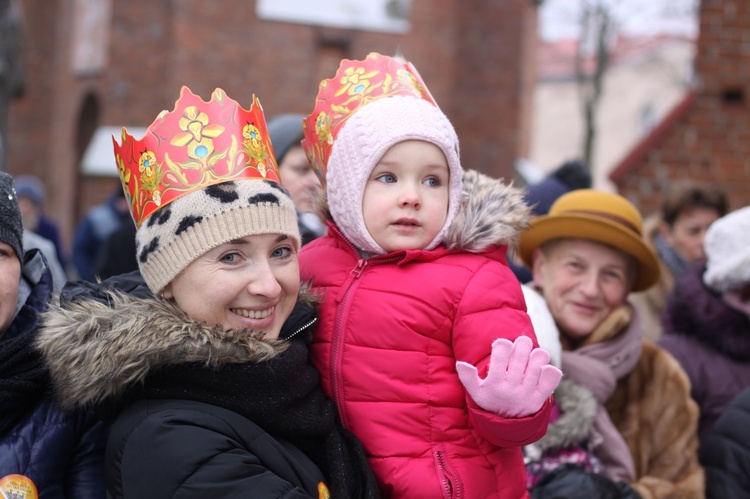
[{"x": 599, "y": 216}]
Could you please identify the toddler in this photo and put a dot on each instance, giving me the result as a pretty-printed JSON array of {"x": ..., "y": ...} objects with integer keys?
[{"x": 417, "y": 292}]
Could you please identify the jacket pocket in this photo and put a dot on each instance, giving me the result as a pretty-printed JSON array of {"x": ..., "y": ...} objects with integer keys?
[{"x": 450, "y": 481}]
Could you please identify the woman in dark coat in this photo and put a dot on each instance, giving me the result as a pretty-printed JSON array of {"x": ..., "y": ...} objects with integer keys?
[
  {"x": 43, "y": 450},
  {"x": 705, "y": 329},
  {"x": 726, "y": 453},
  {"x": 204, "y": 374}
]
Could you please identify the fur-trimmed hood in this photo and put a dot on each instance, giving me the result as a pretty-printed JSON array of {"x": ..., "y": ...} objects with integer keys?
[
  {"x": 492, "y": 213},
  {"x": 95, "y": 349}
]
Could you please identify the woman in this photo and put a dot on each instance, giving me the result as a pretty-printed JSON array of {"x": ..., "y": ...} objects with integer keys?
[
  {"x": 677, "y": 233},
  {"x": 43, "y": 450},
  {"x": 204, "y": 375},
  {"x": 707, "y": 320},
  {"x": 586, "y": 255}
]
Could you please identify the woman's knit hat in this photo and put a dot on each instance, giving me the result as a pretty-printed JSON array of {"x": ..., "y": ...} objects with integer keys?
[
  {"x": 365, "y": 109},
  {"x": 728, "y": 252},
  {"x": 203, "y": 175},
  {"x": 11, "y": 228}
]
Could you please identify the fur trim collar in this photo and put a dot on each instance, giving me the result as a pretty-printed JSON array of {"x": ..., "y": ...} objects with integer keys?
[
  {"x": 96, "y": 350},
  {"x": 578, "y": 408},
  {"x": 492, "y": 213}
]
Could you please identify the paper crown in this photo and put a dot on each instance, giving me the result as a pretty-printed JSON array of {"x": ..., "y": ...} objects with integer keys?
[
  {"x": 196, "y": 145},
  {"x": 356, "y": 84}
]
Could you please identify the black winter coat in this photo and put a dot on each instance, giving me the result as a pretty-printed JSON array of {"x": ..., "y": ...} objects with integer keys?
[
  {"x": 201, "y": 451},
  {"x": 726, "y": 453},
  {"x": 62, "y": 453}
]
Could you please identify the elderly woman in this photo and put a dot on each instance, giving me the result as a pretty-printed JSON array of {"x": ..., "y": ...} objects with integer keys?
[
  {"x": 586, "y": 255},
  {"x": 204, "y": 375}
]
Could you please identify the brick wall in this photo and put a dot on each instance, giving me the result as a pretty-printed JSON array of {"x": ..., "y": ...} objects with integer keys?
[
  {"x": 472, "y": 53},
  {"x": 708, "y": 136}
]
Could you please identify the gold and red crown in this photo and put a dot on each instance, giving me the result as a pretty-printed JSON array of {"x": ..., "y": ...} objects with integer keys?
[
  {"x": 356, "y": 84},
  {"x": 196, "y": 145}
]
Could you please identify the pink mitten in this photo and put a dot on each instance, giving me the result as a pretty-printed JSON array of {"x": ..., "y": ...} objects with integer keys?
[{"x": 519, "y": 380}]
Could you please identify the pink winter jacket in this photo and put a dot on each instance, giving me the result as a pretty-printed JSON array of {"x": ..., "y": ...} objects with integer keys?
[{"x": 391, "y": 329}]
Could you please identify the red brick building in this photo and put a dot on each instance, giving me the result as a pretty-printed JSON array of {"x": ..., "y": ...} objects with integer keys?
[
  {"x": 93, "y": 63},
  {"x": 707, "y": 135}
]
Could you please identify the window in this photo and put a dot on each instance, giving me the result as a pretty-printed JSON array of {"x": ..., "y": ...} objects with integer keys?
[{"x": 388, "y": 16}]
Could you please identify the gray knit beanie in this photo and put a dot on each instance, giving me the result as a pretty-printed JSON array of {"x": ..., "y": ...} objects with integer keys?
[{"x": 11, "y": 228}]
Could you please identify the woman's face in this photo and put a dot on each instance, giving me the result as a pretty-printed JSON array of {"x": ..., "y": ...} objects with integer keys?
[
  {"x": 10, "y": 280},
  {"x": 250, "y": 283},
  {"x": 298, "y": 178},
  {"x": 582, "y": 282},
  {"x": 688, "y": 232}
]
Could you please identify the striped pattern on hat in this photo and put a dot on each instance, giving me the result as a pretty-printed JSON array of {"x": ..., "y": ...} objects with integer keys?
[{"x": 178, "y": 233}]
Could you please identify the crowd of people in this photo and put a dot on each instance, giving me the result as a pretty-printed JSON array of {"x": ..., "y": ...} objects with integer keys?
[{"x": 332, "y": 305}]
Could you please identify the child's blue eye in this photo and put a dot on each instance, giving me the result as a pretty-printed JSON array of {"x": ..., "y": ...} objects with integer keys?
[
  {"x": 387, "y": 178},
  {"x": 432, "y": 182}
]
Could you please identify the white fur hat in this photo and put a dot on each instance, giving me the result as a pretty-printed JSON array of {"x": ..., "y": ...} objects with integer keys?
[{"x": 728, "y": 251}]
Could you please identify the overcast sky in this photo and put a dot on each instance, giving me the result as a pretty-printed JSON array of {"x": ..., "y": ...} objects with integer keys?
[{"x": 560, "y": 18}]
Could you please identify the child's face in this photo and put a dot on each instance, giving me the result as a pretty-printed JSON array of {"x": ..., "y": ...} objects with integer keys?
[{"x": 405, "y": 201}]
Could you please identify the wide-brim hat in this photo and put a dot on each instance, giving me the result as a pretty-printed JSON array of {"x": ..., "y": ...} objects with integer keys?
[{"x": 603, "y": 217}]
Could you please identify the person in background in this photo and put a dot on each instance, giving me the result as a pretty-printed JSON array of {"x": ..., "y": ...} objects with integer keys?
[
  {"x": 298, "y": 176},
  {"x": 677, "y": 235},
  {"x": 94, "y": 229},
  {"x": 31, "y": 198},
  {"x": 32, "y": 240},
  {"x": 571, "y": 175},
  {"x": 587, "y": 254},
  {"x": 726, "y": 451},
  {"x": 419, "y": 298},
  {"x": 44, "y": 452},
  {"x": 707, "y": 319},
  {"x": 203, "y": 370},
  {"x": 118, "y": 255}
]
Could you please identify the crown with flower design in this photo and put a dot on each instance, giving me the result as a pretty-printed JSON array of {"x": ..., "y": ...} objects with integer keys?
[
  {"x": 356, "y": 84},
  {"x": 196, "y": 145}
]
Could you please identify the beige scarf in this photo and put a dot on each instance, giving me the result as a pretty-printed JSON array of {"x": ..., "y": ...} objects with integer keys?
[{"x": 608, "y": 354}]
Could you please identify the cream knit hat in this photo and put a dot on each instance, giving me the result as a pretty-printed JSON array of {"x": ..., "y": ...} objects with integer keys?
[
  {"x": 175, "y": 235},
  {"x": 203, "y": 174}
]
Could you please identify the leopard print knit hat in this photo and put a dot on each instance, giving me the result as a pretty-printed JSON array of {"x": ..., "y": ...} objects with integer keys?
[{"x": 178, "y": 233}]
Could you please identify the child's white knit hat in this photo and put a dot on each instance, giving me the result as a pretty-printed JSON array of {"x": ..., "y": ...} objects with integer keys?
[
  {"x": 364, "y": 139},
  {"x": 365, "y": 109}
]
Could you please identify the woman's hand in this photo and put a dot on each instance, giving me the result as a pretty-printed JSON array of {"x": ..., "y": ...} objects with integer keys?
[{"x": 519, "y": 380}]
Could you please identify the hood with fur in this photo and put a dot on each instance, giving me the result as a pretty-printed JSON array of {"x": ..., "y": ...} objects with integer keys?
[
  {"x": 96, "y": 349},
  {"x": 491, "y": 213}
]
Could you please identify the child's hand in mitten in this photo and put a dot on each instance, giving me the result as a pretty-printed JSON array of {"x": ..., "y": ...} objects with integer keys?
[{"x": 519, "y": 380}]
